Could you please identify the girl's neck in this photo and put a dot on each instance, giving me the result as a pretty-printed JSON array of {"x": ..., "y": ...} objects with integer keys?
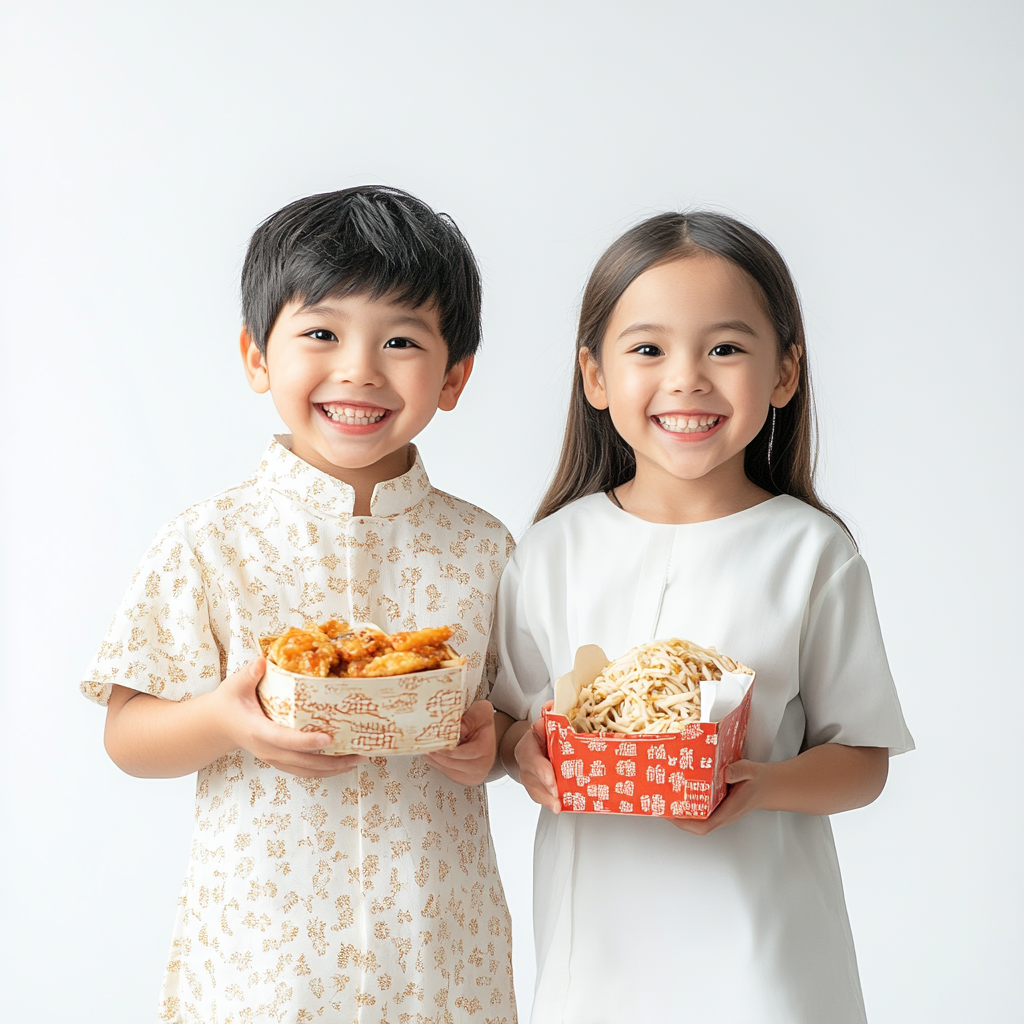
[{"x": 658, "y": 497}]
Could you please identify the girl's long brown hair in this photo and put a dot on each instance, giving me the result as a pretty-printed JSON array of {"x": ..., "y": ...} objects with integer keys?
[{"x": 594, "y": 457}]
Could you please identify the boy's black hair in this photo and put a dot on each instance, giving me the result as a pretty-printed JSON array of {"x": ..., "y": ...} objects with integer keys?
[{"x": 370, "y": 240}]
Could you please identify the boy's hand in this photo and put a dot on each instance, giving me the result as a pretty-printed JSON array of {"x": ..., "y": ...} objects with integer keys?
[
  {"x": 535, "y": 771},
  {"x": 470, "y": 762},
  {"x": 246, "y": 726}
]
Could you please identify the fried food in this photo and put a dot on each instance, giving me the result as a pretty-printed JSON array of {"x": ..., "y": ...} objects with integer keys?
[
  {"x": 310, "y": 652},
  {"x": 652, "y": 688},
  {"x": 364, "y": 644},
  {"x": 333, "y": 648},
  {"x": 394, "y": 663},
  {"x": 420, "y": 638},
  {"x": 333, "y": 628}
]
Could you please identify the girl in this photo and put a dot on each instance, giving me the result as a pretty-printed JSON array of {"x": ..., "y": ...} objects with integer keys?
[{"x": 683, "y": 505}]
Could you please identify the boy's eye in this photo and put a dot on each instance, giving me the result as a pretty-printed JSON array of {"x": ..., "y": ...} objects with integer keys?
[
  {"x": 400, "y": 343},
  {"x": 648, "y": 350},
  {"x": 322, "y": 335},
  {"x": 725, "y": 349}
]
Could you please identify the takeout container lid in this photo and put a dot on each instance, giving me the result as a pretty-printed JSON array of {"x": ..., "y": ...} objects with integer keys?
[
  {"x": 667, "y": 774},
  {"x": 406, "y": 714}
]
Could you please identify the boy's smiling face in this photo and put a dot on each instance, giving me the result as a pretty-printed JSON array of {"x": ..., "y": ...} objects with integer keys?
[{"x": 356, "y": 379}]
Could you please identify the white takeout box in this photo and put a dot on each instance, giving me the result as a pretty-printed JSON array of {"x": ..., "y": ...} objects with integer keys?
[{"x": 407, "y": 714}]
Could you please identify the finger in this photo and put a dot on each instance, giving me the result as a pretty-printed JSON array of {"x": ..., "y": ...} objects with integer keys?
[
  {"x": 312, "y": 765},
  {"x": 739, "y": 771},
  {"x": 477, "y": 745},
  {"x": 282, "y": 736},
  {"x": 543, "y": 795},
  {"x": 247, "y": 677}
]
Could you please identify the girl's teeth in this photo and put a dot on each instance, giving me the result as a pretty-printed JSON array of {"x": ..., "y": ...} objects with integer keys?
[
  {"x": 353, "y": 417},
  {"x": 688, "y": 424}
]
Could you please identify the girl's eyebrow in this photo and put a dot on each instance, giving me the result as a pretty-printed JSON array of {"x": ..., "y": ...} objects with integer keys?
[
  {"x": 732, "y": 325},
  {"x": 642, "y": 329},
  {"x": 725, "y": 325}
]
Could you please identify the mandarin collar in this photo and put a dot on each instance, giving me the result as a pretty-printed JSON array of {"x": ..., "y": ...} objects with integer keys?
[{"x": 325, "y": 495}]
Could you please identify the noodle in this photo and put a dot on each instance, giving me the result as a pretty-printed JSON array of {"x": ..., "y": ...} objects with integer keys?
[{"x": 652, "y": 688}]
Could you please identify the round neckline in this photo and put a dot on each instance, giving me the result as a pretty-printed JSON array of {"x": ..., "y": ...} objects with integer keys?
[{"x": 605, "y": 497}]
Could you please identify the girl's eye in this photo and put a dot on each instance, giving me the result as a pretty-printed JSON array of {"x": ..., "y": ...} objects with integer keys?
[
  {"x": 400, "y": 343},
  {"x": 725, "y": 349},
  {"x": 648, "y": 350},
  {"x": 322, "y": 335}
]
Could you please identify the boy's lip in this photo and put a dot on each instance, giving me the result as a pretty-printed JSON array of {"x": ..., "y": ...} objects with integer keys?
[
  {"x": 689, "y": 426},
  {"x": 353, "y": 417}
]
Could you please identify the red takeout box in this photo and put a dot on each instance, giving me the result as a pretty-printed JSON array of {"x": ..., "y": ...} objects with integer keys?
[{"x": 671, "y": 774}]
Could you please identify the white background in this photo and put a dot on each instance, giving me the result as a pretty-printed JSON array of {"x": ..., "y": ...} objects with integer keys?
[{"x": 877, "y": 144}]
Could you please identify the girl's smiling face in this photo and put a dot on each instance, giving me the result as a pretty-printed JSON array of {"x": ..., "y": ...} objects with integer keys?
[{"x": 688, "y": 368}]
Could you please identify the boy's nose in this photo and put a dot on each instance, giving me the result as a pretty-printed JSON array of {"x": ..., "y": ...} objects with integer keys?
[{"x": 356, "y": 364}]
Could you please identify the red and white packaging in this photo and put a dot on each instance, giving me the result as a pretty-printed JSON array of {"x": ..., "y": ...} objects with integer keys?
[{"x": 669, "y": 774}]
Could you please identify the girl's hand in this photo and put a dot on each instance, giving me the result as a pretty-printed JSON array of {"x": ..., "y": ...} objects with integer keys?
[
  {"x": 823, "y": 780},
  {"x": 246, "y": 726},
  {"x": 535, "y": 771},
  {"x": 471, "y": 761},
  {"x": 746, "y": 782}
]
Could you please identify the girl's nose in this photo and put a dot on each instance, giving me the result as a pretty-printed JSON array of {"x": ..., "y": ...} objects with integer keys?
[{"x": 685, "y": 374}]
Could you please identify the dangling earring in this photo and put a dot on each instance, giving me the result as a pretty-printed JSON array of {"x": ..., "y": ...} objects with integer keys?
[{"x": 771, "y": 438}]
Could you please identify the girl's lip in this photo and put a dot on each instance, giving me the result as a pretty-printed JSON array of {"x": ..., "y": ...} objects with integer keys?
[{"x": 690, "y": 438}]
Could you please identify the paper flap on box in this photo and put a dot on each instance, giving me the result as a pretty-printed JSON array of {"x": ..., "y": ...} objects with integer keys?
[
  {"x": 721, "y": 696},
  {"x": 566, "y": 691},
  {"x": 590, "y": 659}
]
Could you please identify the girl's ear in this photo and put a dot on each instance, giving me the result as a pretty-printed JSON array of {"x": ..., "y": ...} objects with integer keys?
[
  {"x": 789, "y": 376},
  {"x": 255, "y": 363},
  {"x": 593, "y": 382},
  {"x": 454, "y": 381}
]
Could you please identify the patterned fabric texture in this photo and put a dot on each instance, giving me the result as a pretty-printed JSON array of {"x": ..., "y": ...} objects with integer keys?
[{"x": 373, "y": 896}]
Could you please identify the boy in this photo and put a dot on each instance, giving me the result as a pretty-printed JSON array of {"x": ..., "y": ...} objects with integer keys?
[{"x": 319, "y": 887}]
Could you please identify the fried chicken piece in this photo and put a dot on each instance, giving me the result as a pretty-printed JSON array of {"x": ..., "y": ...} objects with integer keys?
[
  {"x": 333, "y": 628},
  {"x": 396, "y": 663},
  {"x": 420, "y": 638},
  {"x": 364, "y": 644},
  {"x": 305, "y": 651}
]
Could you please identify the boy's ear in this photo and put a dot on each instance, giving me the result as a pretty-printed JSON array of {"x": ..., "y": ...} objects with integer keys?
[
  {"x": 593, "y": 382},
  {"x": 255, "y": 363},
  {"x": 454, "y": 381},
  {"x": 789, "y": 376}
]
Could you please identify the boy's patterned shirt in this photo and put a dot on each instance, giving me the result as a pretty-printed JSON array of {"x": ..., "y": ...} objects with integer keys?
[{"x": 373, "y": 896}]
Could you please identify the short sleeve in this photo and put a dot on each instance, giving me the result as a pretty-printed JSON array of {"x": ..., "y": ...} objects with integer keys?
[
  {"x": 160, "y": 641},
  {"x": 845, "y": 685},
  {"x": 523, "y": 681}
]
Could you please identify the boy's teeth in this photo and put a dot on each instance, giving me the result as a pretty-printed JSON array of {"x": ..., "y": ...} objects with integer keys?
[
  {"x": 687, "y": 424},
  {"x": 352, "y": 416}
]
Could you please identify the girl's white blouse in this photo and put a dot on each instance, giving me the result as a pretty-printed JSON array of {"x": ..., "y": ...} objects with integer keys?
[{"x": 635, "y": 919}]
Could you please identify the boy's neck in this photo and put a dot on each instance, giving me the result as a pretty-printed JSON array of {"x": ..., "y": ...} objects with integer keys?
[{"x": 364, "y": 479}]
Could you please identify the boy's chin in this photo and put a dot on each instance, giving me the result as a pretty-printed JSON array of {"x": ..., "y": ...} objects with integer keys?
[{"x": 340, "y": 459}]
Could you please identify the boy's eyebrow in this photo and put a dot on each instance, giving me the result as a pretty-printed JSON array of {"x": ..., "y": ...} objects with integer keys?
[
  {"x": 725, "y": 325},
  {"x": 398, "y": 320}
]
